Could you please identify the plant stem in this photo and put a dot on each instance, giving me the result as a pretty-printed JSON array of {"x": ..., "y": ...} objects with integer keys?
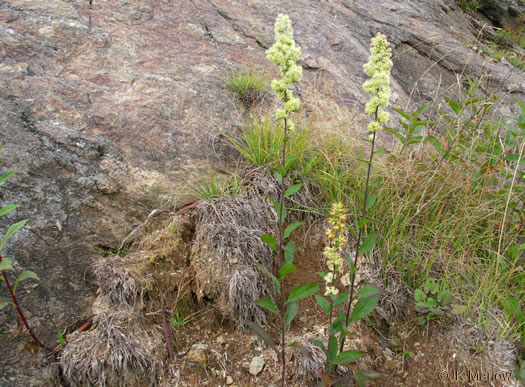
[
  {"x": 358, "y": 243},
  {"x": 281, "y": 252},
  {"x": 328, "y": 368},
  {"x": 20, "y": 313}
]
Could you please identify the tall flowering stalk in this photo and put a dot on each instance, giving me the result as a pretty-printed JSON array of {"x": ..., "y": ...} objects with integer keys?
[
  {"x": 378, "y": 68},
  {"x": 284, "y": 53},
  {"x": 378, "y": 86}
]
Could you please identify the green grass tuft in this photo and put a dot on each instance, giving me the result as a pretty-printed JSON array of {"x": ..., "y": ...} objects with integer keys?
[{"x": 248, "y": 85}]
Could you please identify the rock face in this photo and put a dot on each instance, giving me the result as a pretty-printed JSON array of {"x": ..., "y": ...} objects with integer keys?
[{"x": 109, "y": 108}]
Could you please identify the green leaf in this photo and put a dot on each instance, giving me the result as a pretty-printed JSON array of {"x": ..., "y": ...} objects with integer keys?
[
  {"x": 368, "y": 244},
  {"x": 323, "y": 303},
  {"x": 369, "y": 291},
  {"x": 419, "y": 296},
  {"x": 370, "y": 373},
  {"x": 291, "y": 311},
  {"x": 26, "y": 274},
  {"x": 339, "y": 322},
  {"x": 359, "y": 377},
  {"x": 512, "y": 157},
  {"x": 406, "y": 116},
  {"x": 444, "y": 297},
  {"x": 11, "y": 230},
  {"x": 380, "y": 151},
  {"x": 6, "y": 265},
  {"x": 292, "y": 189},
  {"x": 276, "y": 285},
  {"x": 347, "y": 357},
  {"x": 266, "y": 303},
  {"x": 340, "y": 298},
  {"x": 289, "y": 251},
  {"x": 285, "y": 270},
  {"x": 431, "y": 302},
  {"x": 290, "y": 160},
  {"x": 276, "y": 205},
  {"x": 364, "y": 222},
  {"x": 318, "y": 343},
  {"x": 521, "y": 121},
  {"x": 431, "y": 286},
  {"x": 290, "y": 228},
  {"x": 363, "y": 308},
  {"x": 352, "y": 230},
  {"x": 436, "y": 143},
  {"x": 6, "y": 176},
  {"x": 512, "y": 308},
  {"x": 278, "y": 177},
  {"x": 3, "y": 303},
  {"x": 332, "y": 351},
  {"x": 399, "y": 136},
  {"x": 8, "y": 208},
  {"x": 283, "y": 214},
  {"x": 454, "y": 105},
  {"x": 370, "y": 200},
  {"x": 303, "y": 291},
  {"x": 259, "y": 331},
  {"x": 270, "y": 241},
  {"x": 414, "y": 140}
]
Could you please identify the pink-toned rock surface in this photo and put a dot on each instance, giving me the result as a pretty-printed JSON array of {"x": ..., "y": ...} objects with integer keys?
[{"x": 109, "y": 109}]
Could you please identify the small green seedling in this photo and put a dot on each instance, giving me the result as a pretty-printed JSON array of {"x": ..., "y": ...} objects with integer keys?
[
  {"x": 61, "y": 339},
  {"x": 431, "y": 301},
  {"x": 178, "y": 320}
]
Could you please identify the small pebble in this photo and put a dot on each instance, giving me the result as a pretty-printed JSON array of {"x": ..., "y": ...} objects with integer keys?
[{"x": 256, "y": 365}]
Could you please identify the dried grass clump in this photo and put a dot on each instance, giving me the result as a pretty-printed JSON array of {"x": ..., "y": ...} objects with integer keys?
[
  {"x": 308, "y": 359},
  {"x": 118, "y": 282},
  {"x": 309, "y": 362},
  {"x": 120, "y": 351},
  {"x": 244, "y": 287},
  {"x": 227, "y": 246},
  {"x": 499, "y": 353}
]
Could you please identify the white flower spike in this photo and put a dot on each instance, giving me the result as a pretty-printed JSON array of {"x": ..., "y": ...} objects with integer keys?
[{"x": 378, "y": 68}]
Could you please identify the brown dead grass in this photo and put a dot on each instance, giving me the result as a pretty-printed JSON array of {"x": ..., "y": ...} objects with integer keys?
[{"x": 122, "y": 350}]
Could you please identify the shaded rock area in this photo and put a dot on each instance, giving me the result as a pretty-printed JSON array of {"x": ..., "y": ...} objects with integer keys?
[{"x": 109, "y": 108}]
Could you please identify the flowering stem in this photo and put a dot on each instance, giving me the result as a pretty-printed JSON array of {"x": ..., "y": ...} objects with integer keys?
[
  {"x": 20, "y": 313},
  {"x": 329, "y": 333},
  {"x": 284, "y": 54},
  {"x": 281, "y": 251},
  {"x": 358, "y": 243}
]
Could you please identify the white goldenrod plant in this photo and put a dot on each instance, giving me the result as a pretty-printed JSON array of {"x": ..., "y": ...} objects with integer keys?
[
  {"x": 378, "y": 86},
  {"x": 284, "y": 53}
]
